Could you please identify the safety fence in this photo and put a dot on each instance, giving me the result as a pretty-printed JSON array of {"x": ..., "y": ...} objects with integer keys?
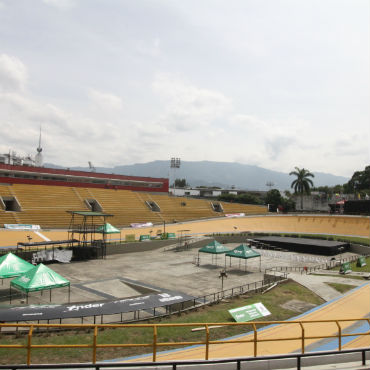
[
  {"x": 323, "y": 266},
  {"x": 303, "y": 333}
]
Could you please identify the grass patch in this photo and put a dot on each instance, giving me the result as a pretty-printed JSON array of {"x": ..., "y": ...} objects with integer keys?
[
  {"x": 341, "y": 288},
  {"x": 358, "y": 269},
  {"x": 217, "y": 313},
  {"x": 342, "y": 276}
]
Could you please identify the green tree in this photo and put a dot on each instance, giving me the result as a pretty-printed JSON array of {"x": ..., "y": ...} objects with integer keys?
[
  {"x": 227, "y": 197},
  {"x": 359, "y": 181},
  {"x": 302, "y": 183},
  {"x": 248, "y": 199},
  {"x": 273, "y": 199},
  {"x": 180, "y": 183}
]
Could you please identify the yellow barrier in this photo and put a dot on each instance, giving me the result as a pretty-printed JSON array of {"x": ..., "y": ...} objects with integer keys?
[{"x": 254, "y": 338}]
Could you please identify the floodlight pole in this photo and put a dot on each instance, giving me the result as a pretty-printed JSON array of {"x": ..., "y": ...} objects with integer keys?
[{"x": 175, "y": 163}]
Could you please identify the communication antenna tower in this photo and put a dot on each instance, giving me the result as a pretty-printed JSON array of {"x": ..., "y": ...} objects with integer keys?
[{"x": 38, "y": 157}]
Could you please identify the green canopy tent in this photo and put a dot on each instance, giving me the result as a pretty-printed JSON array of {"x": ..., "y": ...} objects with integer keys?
[
  {"x": 39, "y": 278},
  {"x": 214, "y": 248},
  {"x": 108, "y": 229},
  {"x": 12, "y": 266},
  {"x": 243, "y": 251}
]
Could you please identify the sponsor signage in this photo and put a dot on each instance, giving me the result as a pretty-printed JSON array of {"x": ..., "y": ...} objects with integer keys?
[
  {"x": 50, "y": 311},
  {"x": 345, "y": 268},
  {"x": 361, "y": 261},
  {"x": 235, "y": 214},
  {"x": 21, "y": 227},
  {"x": 144, "y": 237},
  {"x": 147, "y": 224},
  {"x": 130, "y": 237},
  {"x": 249, "y": 313}
]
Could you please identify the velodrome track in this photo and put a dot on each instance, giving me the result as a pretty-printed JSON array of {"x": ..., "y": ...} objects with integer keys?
[
  {"x": 338, "y": 225},
  {"x": 355, "y": 304}
]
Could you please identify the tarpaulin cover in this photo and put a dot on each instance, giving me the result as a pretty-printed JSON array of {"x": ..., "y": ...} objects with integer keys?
[
  {"x": 60, "y": 255},
  {"x": 214, "y": 247},
  {"x": 39, "y": 278},
  {"x": 243, "y": 251},
  {"x": 11, "y": 266},
  {"x": 50, "y": 311}
]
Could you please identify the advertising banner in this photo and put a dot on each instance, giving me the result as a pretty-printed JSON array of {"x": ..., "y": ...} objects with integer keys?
[
  {"x": 144, "y": 238},
  {"x": 21, "y": 227},
  {"x": 147, "y": 224},
  {"x": 63, "y": 311},
  {"x": 130, "y": 237},
  {"x": 235, "y": 215},
  {"x": 361, "y": 261},
  {"x": 345, "y": 268},
  {"x": 249, "y": 313}
]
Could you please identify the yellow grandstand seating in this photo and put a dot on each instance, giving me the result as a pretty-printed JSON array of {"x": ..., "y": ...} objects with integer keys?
[
  {"x": 243, "y": 208},
  {"x": 7, "y": 217},
  {"x": 125, "y": 205},
  {"x": 47, "y": 206}
]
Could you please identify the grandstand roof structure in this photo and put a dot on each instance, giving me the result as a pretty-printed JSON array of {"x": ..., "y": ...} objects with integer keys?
[{"x": 18, "y": 174}]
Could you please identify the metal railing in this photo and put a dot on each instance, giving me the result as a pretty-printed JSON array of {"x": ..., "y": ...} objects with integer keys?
[
  {"x": 158, "y": 312},
  {"x": 254, "y": 338},
  {"x": 323, "y": 266},
  {"x": 298, "y": 357}
]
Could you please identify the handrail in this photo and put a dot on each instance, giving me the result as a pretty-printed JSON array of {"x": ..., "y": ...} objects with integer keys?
[
  {"x": 174, "y": 364},
  {"x": 252, "y": 338},
  {"x": 322, "y": 266}
]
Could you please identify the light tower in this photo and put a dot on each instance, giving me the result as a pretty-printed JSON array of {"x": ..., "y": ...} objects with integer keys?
[
  {"x": 270, "y": 184},
  {"x": 175, "y": 163},
  {"x": 38, "y": 157}
]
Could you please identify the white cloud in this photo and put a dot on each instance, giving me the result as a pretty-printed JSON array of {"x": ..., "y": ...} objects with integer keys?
[
  {"x": 61, "y": 4},
  {"x": 149, "y": 49},
  {"x": 13, "y": 74},
  {"x": 188, "y": 107},
  {"x": 104, "y": 100},
  {"x": 273, "y": 86}
]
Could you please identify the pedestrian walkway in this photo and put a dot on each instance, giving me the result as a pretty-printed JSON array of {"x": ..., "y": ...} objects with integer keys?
[{"x": 318, "y": 284}]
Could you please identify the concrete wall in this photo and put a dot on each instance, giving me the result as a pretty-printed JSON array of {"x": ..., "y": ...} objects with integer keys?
[{"x": 139, "y": 246}]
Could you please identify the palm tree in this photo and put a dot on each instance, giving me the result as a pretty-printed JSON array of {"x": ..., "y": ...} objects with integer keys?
[{"x": 302, "y": 183}]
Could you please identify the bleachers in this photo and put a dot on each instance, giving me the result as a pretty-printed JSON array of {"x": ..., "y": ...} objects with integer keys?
[
  {"x": 47, "y": 206},
  {"x": 248, "y": 209},
  {"x": 125, "y": 205},
  {"x": 180, "y": 209},
  {"x": 7, "y": 217}
]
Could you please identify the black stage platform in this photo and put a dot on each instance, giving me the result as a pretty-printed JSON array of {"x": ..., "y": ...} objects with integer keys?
[{"x": 302, "y": 245}]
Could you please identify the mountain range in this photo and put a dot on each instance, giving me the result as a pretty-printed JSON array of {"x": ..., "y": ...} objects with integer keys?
[{"x": 221, "y": 174}]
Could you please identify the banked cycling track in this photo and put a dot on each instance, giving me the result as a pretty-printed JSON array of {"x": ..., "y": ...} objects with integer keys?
[{"x": 355, "y": 304}]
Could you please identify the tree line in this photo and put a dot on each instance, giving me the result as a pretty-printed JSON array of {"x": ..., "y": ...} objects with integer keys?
[{"x": 303, "y": 184}]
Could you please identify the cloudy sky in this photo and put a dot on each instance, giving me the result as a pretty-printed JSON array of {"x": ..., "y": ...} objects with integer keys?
[{"x": 273, "y": 83}]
